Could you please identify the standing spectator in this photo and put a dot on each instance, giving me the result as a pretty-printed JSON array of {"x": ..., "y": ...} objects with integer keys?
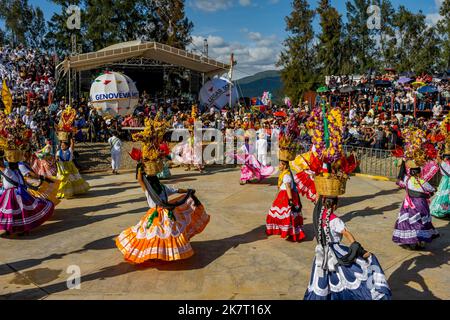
[{"x": 116, "y": 152}]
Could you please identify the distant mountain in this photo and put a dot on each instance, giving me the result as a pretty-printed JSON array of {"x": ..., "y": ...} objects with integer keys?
[{"x": 255, "y": 85}]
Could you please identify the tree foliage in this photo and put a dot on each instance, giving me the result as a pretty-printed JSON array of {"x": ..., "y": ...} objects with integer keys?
[{"x": 298, "y": 57}]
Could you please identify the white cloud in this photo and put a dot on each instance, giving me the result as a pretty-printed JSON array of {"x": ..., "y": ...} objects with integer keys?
[
  {"x": 212, "y": 5},
  {"x": 260, "y": 53},
  {"x": 217, "y": 5},
  {"x": 433, "y": 18},
  {"x": 245, "y": 3}
]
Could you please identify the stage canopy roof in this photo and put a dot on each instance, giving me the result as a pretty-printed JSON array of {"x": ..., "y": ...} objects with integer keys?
[{"x": 148, "y": 50}]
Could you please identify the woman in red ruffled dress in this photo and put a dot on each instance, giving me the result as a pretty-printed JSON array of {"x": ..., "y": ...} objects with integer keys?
[{"x": 285, "y": 217}]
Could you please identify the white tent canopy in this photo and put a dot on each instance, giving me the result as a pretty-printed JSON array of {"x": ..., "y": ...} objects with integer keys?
[{"x": 150, "y": 50}]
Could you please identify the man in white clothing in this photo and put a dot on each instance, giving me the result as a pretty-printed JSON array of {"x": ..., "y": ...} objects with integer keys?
[
  {"x": 261, "y": 148},
  {"x": 116, "y": 152}
]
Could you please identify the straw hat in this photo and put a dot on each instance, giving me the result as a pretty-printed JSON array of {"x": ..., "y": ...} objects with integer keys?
[
  {"x": 411, "y": 164},
  {"x": 447, "y": 149}
]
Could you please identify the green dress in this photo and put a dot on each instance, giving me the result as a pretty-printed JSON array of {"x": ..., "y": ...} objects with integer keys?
[{"x": 440, "y": 206}]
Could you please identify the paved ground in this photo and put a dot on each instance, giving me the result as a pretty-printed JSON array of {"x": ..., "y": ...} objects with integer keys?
[{"x": 234, "y": 259}]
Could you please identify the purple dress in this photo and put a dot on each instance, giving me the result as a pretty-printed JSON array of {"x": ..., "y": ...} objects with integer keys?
[{"x": 414, "y": 220}]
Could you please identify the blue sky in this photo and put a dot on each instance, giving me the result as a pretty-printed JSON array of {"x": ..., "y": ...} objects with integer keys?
[{"x": 253, "y": 29}]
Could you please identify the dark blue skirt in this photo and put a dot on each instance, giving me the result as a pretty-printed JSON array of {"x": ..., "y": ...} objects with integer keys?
[{"x": 363, "y": 280}]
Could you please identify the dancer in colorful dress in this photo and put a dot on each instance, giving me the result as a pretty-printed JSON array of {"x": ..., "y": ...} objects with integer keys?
[
  {"x": 39, "y": 186},
  {"x": 414, "y": 227},
  {"x": 166, "y": 229},
  {"x": 43, "y": 162},
  {"x": 252, "y": 171},
  {"x": 20, "y": 212},
  {"x": 340, "y": 272},
  {"x": 165, "y": 173},
  {"x": 71, "y": 181},
  {"x": 285, "y": 217},
  {"x": 440, "y": 206}
]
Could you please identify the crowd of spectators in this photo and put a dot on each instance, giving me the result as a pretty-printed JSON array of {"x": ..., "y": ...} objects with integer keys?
[{"x": 377, "y": 108}]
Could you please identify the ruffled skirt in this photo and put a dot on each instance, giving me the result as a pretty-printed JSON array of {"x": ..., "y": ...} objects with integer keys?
[
  {"x": 21, "y": 212},
  {"x": 440, "y": 206},
  {"x": 363, "y": 280},
  {"x": 163, "y": 235},
  {"x": 48, "y": 191},
  {"x": 71, "y": 181},
  {"x": 44, "y": 167},
  {"x": 282, "y": 221},
  {"x": 414, "y": 224}
]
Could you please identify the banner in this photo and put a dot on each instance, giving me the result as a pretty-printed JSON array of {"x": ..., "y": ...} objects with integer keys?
[
  {"x": 216, "y": 93},
  {"x": 6, "y": 98}
]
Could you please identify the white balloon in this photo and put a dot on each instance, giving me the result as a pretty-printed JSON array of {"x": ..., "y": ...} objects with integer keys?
[
  {"x": 216, "y": 93},
  {"x": 114, "y": 93}
]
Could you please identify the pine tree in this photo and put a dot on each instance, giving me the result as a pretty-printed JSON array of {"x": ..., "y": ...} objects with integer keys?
[
  {"x": 413, "y": 38},
  {"x": 37, "y": 29},
  {"x": 388, "y": 40},
  {"x": 358, "y": 36},
  {"x": 174, "y": 28},
  {"x": 297, "y": 58},
  {"x": 58, "y": 37},
  {"x": 444, "y": 32},
  {"x": 17, "y": 15},
  {"x": 329, "y": 51}
]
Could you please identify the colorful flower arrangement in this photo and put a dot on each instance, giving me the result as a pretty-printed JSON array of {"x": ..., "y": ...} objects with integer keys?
[
  {"x": 336, "y": 124},
  {"x": 417, "y": 147},
  {"x": 445, "y": 128},
  {"x": 288, "y": 136},
  {"x": 67, "y": 119},
  {"x": 152, "y": 137},
  {"x": 14, "y": 134}
]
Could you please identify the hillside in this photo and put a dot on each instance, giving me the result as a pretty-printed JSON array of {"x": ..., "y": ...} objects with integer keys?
[{"x": 255, "y": 85}]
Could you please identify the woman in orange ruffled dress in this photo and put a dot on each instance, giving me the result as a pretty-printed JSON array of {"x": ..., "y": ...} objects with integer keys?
[{"x": 165, "y": 230}]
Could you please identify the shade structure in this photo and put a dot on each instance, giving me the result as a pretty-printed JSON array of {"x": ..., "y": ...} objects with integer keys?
[
  {"x": 404, "y": 80},
  {"x": 216, "y": 94},
  {"x": 322, "y": 90},
  {"x": 427, "y": 89},
  {"x": 383, "y": 83},
  {"x": 114, "y": 93},
  {"x": 418, "y": 84},
  {"x": 150, "y": 50},
  {"x": 347, "y": 89}
]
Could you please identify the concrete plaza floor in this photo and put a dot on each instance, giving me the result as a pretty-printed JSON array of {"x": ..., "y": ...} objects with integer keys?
[{"x": 234, "y": 259}]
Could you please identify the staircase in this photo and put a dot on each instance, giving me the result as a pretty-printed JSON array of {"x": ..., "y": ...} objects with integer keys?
[{"x": 93, "y": 156}]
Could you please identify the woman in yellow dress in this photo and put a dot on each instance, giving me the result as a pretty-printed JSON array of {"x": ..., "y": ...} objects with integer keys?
[{"x": 71, "y": 181}]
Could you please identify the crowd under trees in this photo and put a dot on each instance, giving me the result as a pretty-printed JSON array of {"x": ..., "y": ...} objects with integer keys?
[
  {"x": 103, "y": 23},
  {"x": 406, "y": 42}
]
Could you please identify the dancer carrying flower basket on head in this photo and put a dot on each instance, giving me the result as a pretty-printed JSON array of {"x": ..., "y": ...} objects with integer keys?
[
  {"x": 20, "y": 211},
  {"x": 165, "y": 230},
  {"x": 285, "y": 216},
  {"x": 71, "y": 181},
  {"x": 414, "y": 227},
  {"x": 440, "y": 206}
]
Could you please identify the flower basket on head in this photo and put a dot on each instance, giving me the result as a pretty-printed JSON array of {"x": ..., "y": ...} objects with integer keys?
[
  {"x": 287, "y": 155},
  {"x": 63, "y": 136},
  {"x": 152, "y": 168},
  {"x": 330, "y": 186},
  {"x": 14, "y": 156}
]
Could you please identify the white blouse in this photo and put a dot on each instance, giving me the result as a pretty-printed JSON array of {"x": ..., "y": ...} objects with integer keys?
[
  {"x": 287, "y": 179},
  {"x": 446, "y": 166},
  {"x": 414, "y": 185},
  {"x": 169, "y": 191},
  {"x": 13, "y": 175},
  {"x": 337, "y": 227}
]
